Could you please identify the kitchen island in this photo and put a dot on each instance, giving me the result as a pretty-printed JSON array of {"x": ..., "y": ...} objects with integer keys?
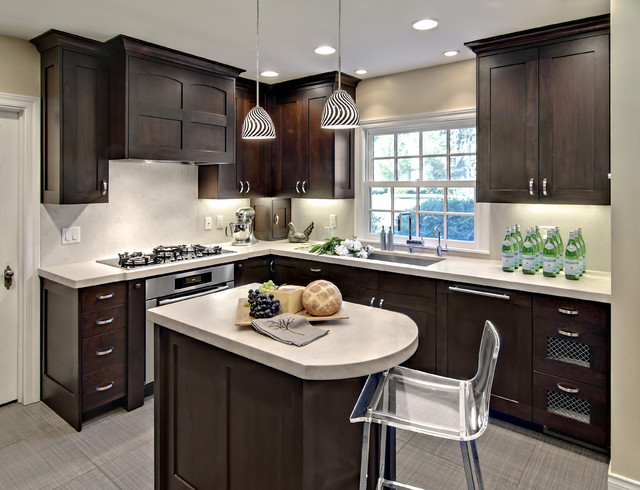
[{"x": 236, "y": 409}]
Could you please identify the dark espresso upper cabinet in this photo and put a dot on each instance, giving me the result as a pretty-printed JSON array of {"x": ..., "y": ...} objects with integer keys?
[
  {"x": 247, "y": 177},
  {"x": 75, "y": 118},
  {"x": 309, "y": 161},
  {"x": 543, "y": 114},
  {"x": 167, "y": 105}
]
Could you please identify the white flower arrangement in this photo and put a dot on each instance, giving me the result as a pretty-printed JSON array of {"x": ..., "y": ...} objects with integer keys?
[{"x": 338, "y": 246}]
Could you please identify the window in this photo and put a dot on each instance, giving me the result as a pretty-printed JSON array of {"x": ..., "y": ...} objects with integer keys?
[{"x": 422, "y": 179}]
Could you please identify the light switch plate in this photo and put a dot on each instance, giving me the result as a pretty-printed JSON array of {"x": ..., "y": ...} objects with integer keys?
[
  {"x": 70, "y": 235},
  {"x": 219, "y": 224},
  {"x": 207, "y": 223},
  {"x": 332, "y": 221}
]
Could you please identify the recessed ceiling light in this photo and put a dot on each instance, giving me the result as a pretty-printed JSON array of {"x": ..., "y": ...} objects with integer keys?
[
  {"x": 269, "y": 73},
  {"x": 361, "y": 71},
  {"x": 324, "y": 50},
  {"x": 451, "y": 52},
  {"x": 424, "y": 24}
]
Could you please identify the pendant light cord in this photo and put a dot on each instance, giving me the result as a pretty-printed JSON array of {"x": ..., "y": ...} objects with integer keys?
[
  {"x": 339, "y": 44},
  {"x": 258, "y": 53}
]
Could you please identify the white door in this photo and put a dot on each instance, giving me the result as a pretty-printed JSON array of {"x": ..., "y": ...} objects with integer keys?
[{"x": 8, "y": 255}]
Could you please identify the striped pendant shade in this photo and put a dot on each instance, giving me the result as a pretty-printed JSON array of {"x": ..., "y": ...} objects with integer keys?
[
  {"x": 340, "y": 112},
  {"x": 258, "y": 125}
]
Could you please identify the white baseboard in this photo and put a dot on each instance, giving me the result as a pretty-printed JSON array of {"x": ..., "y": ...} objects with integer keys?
[{"x": 617, "y": 482}]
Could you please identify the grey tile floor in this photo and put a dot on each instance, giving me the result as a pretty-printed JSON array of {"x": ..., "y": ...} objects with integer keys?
[{"x": 38, "y": 450}]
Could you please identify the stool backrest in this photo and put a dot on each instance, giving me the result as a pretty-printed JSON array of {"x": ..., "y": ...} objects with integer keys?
[{"x": 487, "y": 359}]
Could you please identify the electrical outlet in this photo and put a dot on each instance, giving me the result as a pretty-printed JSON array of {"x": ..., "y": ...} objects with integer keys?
[
  {"x": 70, "y": 235},
  {"x": 207, "y": 223},
  {"x": 332, "y": 221},
  {"x": 219, "y": 223}
]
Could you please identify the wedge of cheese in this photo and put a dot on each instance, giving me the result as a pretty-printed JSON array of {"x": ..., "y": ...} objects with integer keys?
[{"x": 290, "y": 298}]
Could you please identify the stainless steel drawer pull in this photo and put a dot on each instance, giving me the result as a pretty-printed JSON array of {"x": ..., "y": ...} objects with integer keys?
[
  {"x": 104, "y": 322},
  {"x": 456, "y": 289},
  {"x": 104, "y": 352},
  {"x": 567, "y": 333},
  {"x": 373, "y": 298},
  {"x": 381, "y": 301},
  {"x": 106, "y": 387},
  {"x": 567, "y": 389},
  {"x": 315, "y": 269},
  {"x": 104, "y": 296},
  {"x": 531, "y": 187},
  {"x": 568, "y": 311}
]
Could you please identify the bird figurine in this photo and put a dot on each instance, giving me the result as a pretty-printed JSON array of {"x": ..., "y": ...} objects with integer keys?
[{"x": 296, "y": 236}]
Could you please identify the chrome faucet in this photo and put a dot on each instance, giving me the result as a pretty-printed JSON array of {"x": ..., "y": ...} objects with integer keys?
[
  {"x": 439, "y": 249},
  {"x": 411, "y": 242}
]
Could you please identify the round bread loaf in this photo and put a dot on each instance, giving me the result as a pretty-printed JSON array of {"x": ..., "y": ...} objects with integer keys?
[{"x": 321, "y": 298}]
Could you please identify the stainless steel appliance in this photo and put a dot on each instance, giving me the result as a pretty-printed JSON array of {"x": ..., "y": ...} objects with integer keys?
[
  {"x": 172, "y": 288},
  {"x": 163, "y": 254},
  {"x": 241, "y": 230}
]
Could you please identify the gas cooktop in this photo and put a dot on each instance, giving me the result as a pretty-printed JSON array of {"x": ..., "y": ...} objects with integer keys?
[{"x": 163, "y": 254}]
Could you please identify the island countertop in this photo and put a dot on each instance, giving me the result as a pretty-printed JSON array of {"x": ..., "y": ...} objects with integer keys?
[{"x": 369, "y": 341}]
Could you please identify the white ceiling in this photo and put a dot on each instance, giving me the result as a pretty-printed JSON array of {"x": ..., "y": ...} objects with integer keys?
[{"x": 376, "y": 34}]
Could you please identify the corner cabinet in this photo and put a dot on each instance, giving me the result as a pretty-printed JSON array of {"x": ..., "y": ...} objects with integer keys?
[
  {"x": 543, "y": 114},
  {"x": 309, "y": 161},
  {"x": 167, "y": 105},
  {"x": 75, "y": 118},
  {"x": 247, "y": 177}
]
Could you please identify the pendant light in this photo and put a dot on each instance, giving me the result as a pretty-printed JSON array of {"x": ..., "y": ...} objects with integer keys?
[
  {"x": 340, "y": 111},
  {"x": 257, "y": 124}
]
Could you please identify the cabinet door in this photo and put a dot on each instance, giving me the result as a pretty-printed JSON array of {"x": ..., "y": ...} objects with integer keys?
[
  {"x": 508, "y": 127},
  {"x": 291, "y": 148},
  {"x": 250, "y": 161},
  {"x": 179, "y": 114},
  {"x": 252, "y": 270},
  {"x": 319, "y": 183},
  {"x": 462, "y": 311},
  {"x": 574, "y": 121}
]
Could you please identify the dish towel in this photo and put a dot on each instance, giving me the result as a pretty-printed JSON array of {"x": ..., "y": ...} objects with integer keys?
[{"x": 289, "y": 328}]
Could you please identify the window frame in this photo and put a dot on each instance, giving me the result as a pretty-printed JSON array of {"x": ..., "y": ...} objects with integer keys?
[{"x": 423, "y": 122}]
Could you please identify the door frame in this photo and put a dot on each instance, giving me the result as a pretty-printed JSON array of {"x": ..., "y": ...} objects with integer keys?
[{"x": 28, "y": 283}]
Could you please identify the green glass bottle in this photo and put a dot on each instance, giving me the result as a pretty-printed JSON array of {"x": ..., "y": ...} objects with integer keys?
[
  {"x": 529, "y": 249},
  {"x": 516, "y": 249},
  {"x": 520, "y": 245},
  {"x": 572, "y": 258},
  {"x": 550, "y": 256},
  {"x": 583, "y": 245},
  {"x": 560, "y": 246},
  {"x": 508, "y": 255},
  {"x": 539, "y": 248}
]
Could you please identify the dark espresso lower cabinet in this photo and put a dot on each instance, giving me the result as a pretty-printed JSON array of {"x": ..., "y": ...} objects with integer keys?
[{"x": 225, "y": 422}]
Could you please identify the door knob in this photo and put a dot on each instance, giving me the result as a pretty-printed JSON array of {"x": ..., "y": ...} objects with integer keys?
[{"x": 8, "y": 277}]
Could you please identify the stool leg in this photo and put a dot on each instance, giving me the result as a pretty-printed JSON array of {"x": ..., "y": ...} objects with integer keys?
[
  {"x": 466, "y": 461},
  {"x": 383, "y": 454},
  {"x": 476, "y": 463},
  {"x": 364, "y": 463}
]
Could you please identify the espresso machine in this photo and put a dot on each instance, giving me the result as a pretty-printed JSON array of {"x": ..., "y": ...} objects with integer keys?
[{"x": 241, "y": 230}]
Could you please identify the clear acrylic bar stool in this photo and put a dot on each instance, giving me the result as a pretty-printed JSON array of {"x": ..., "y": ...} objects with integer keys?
[{"x": 429, "y": 404}]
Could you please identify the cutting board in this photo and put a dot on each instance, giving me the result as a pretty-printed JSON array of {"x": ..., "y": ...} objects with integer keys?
[{"x": 244, "y": 319}]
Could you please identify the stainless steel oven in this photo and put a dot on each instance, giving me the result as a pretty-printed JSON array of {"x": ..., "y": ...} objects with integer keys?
[{"x": 172, "y": 288}]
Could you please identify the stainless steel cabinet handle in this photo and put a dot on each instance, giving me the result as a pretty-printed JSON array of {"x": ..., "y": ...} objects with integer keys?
[
  {"x": 380, "y": 304},
  {"x": 297, "y": 184},
  {"x": 373, "y": 298},
  {"x": 104, "y": 296},
  {"x": 276, "y": 219},
  {"x": 104, "y": 352},
  {"x": 315, "y": 269},
  {"x": 241, "y": 186},
  {"x": 456, "y": 289},
  {"x": 544, "y": 187},
  {"x": 104, "y": 322},
  {"x": 567, "y": 333},
  {"x": 568, "y": 311},
  {"x": 248, "y": 186},
  {"x": 304, "y": 191},
  {"x": 106, "y": 387},
  {"x": 104, "y": 187},
  {"x": 567, "y": 389},
  {"x": 272, "y": 266},
  {"x": 531, "y": 186}
]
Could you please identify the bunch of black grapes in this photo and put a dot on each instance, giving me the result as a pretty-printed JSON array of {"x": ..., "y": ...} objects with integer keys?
[{"x": 262, "y": 305}]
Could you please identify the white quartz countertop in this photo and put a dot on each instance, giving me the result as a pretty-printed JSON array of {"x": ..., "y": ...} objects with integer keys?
[
  {"x": 593, "y": 286},
  {"x": 369, "y": 341}
]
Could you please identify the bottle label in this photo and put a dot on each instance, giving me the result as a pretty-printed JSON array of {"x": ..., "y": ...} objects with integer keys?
[
  {"x": 571, "y": 248},
  {"x": 549, "y": 246},
  {"x": 528, "y": 262},
  {"x": 527, "y": 244},
  {"x": 549, "y": 264},
  {"x": 572, "y": 266},
  {"x": 506, "y": 243},
  {"x": 508, "y": 260}
]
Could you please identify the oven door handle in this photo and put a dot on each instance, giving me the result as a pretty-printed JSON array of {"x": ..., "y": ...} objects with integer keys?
[{"x": 189, "y": 296}]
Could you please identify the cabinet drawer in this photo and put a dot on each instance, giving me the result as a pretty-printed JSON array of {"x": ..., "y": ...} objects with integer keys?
[
  {"x": 101, "y": 351},
  {"x": 571, "y": 407},
  {"x": 103, "y": 296},
  {"x": 103, "y": 386},
  {"x": 571, "y": 339},
  {"x": 101, "y": 321}
]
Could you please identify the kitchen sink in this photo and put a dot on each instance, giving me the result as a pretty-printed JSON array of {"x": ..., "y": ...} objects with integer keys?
[{"x": 408, "y": 259}]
